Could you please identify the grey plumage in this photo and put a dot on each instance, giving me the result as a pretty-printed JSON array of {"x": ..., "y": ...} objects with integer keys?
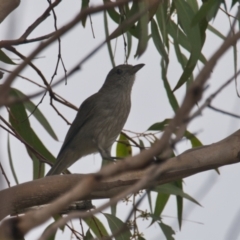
[{"x": 99, "y": 120}]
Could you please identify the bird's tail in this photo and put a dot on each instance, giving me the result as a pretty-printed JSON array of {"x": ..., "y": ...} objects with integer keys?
[{"x": 61, "y": 164}]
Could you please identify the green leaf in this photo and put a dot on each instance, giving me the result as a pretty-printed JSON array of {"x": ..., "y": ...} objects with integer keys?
[
  {"x": 133, "y": 30},
  {"x": 108, "y": 42},
  {"x": 1, "y": 74},
  {"x": 88, "y": 236},
  {"x": 167, "y": 230},
  {"x": 208, "y": 10},
  {"x": 160, "y": 204},
  {"x": 85, "y": 4},
  {"x": 150, "y": 200},
  {"x": 193, "y": 4},
  {"x": 170, "y": 188},
  {"x": 38, "y": 167},
  {"x": 115, "y": 224},
  {"x": 177, "y": 34},
  {"x": 216, "y": 32},
  {"x": 124, "y": 148},
  {"x": 193, "y": 139},
  {"x": 34, "y": 110},
  {"x": 203, "y": 11},
  {"x": 20, "y": 122},
  {"x": 96, "y": 226},
  {"x": 182, "y": 60},
  {"x": 234, "y": 2},
  {"x": 56, "y": 218},
  {"x": 11, "y": 161},
  {"x": 4, "y": 58},
  {"x": 214, "y": 10},
  {"x": 114, "y": 15},
  {"x": 114, "y": 209},
  {"x": 53, "y": 235},
  {"x": 141, "y": 143},
  {"x": 129, "y": 44},
  {"x": 142, "y": 30},
  {"x": 162, "y": 19},
  {"x": 159, "y": 126},
  {"x": 141, "y": 238},
  {"x": 195, "y": 38},
  {"x": 180, "y": 56},
  {"x": 158, "y": 41},
  {"x": 171, "y": 97},
  {"x": 179, "y": 203}
]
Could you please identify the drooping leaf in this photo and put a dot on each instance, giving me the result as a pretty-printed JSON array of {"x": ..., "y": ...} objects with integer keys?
[
  {"x": 38, "y": 167},
  {"x": 4, "y": 58},
  {"x": 109, "y": 42},
  {"x": 194, "y": 36},
  {"x": 159, "y": 126},
  {"x": 34, "y": 110},
  {"x": 53, "y": 235},
  {"x": 88, "y": 236},
  {"x": 56, "y": 218},
  {"x": 1, "y": 74},
  {"x": 193, "y": 4},
  {"x": 158, "y": 41},
  {"x": 214, "y": 10},
  {"x": 85, "y": 4},
  {"x": 164, "y": 64},
  {"x": 150, "y": 200},
  {"x": 167, "y": 230},
  {"x": 142, "y": 30},
  {"x": 179, "y": 201},
  {"x": 162, "y": 20},
  {"x": 114, "y": 209},
  {"x": 114, "y": 15},
  {"x": 11, "y": 161},
  {"x": 115, "y": 225},
  {"x": 129, "y": 44},
  {"x": 133, "y": 30},
  {"x": 96, "y": 226},
  {"x": 193, "y": 139},
  {"x": 234, "y": 2},
  {"x": 20, "y": 122},
  {"x": 171, "y": 97},
  {"x": 160, "y": 204},
  {"x": 216, "y": 32},
  {"x": 170, "y": 188},
  {"x": 177, "y": 34}
]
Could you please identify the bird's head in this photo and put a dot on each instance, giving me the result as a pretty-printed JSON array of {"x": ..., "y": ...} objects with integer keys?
[{"x": 122, "y": 75}]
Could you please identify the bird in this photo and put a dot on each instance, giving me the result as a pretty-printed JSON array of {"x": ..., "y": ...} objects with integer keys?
[{"x": 99, "y": 120}]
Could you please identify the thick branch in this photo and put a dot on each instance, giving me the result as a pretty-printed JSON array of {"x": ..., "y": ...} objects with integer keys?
[
  {"x": 6, "y": 7},
  {"x": 47, "y": 189}
]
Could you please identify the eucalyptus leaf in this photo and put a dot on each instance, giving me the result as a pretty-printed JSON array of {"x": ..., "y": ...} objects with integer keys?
[
  {"x": 4, "y": 58},
  {"x": 115, "y": 225},
  {"x": 96, "y": 226}
]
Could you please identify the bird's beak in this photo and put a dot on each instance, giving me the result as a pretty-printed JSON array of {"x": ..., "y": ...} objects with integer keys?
[{"x": 136, "y": 68}]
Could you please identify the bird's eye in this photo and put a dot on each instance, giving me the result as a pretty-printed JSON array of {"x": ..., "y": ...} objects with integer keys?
[{"x": 119, "y": 71}]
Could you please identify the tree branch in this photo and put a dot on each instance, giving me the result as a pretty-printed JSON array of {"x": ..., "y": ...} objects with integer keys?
[{"x": 45, "y": 190}]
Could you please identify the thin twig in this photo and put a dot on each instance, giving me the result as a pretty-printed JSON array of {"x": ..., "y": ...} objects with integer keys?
[
  {"x": 91, "y": 25},
  {"x": 40, "y": 19},
  {"x": 56, "y": 97},
  {"x": 28, "y": 146},
  {"x": 5, "y": 176},
  {"x": 212, "y": 96},
  {"x": 63, "y": 30},
  {"x": 224, "y": 112}
]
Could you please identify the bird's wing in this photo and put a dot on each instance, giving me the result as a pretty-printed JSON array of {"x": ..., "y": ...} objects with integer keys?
[{"x": 86, "y": 111}]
